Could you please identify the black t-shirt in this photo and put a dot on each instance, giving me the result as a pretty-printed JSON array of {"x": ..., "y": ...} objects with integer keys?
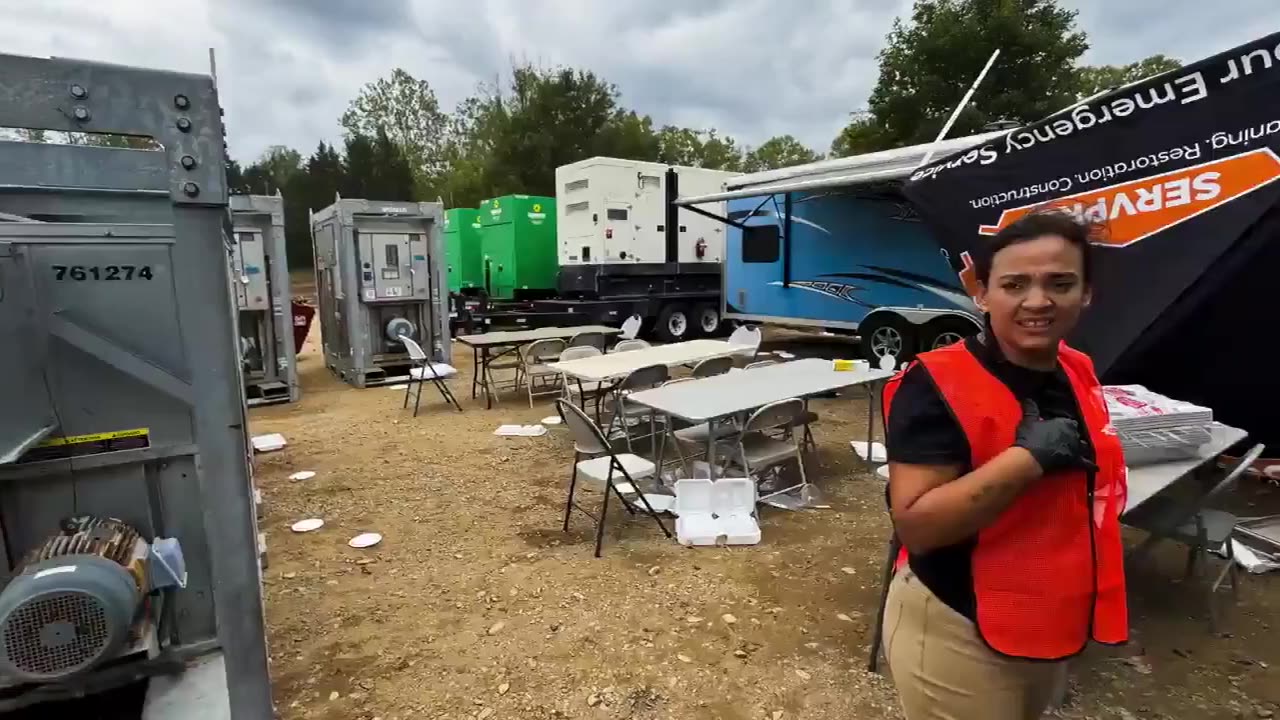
[{"x": 923, "y": 431}]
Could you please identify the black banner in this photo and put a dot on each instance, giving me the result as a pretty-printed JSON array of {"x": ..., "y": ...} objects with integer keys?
[{"x": 1180, "y": 170}]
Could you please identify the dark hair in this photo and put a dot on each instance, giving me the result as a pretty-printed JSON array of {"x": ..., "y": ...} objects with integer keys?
[{"x": 1031, "y": 226}]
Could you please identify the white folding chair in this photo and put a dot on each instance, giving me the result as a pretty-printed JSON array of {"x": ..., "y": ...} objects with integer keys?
[
  {"x": 631, "y": 328},
  {"x": 425, "y": 370},
  {"x": 748, "y": 336}
]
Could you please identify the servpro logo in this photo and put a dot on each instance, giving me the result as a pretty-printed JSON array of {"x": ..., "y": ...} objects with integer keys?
[
  {"x": 1138, "y": 209},
  {"x": 536, "y": 216}
]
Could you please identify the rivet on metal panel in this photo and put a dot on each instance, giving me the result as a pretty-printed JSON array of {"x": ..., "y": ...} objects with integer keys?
[
  {"x": 188, "y": 162},
  {"x": 81, "y": 113},
  {"x": 78, "y": 92},
  {"x": 181, "y": 102},
  {"x": 184, "y": 124},
  {"x": 191, "y": 189}
]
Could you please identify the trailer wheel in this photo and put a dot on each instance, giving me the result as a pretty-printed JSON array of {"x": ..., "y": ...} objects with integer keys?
[
  {"x": 673, "y": 324},
  {"x": 708, "y": 317},
  {"x": 886, "y": 334},
  {"x": 946, "y": 331}
]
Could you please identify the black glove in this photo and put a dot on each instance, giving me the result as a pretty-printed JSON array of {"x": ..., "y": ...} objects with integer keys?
[{"x": 1055, "y": 444}]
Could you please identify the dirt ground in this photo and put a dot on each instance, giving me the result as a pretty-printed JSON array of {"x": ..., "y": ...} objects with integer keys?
[{"x": 476, "y": 605}]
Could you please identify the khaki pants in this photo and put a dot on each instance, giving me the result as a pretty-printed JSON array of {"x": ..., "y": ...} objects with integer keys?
[{"x": 943, "y": 670}]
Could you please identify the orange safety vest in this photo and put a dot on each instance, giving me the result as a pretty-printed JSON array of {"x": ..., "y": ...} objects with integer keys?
[{"x": 1048, "y": 574}]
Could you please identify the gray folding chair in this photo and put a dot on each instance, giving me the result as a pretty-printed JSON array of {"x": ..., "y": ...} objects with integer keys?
[
  {"x": 584, "y": 391},
  {"x": 712, "y": 366},
  {"x": 758, "y": 451},
  {"x": 425, "y": 370},
  {"x": 534, "y": 359},
  {"x": 629, "y": 345},
  {"x": 640, "y": 379},
  {"x": 1194, "y": 524},
  {"x": 596, "y": 340},
  {"x": 616, "y": 473}
]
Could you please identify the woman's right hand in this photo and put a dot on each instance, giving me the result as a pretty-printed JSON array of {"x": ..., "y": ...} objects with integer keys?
[{"x": 1055, "y": 443}]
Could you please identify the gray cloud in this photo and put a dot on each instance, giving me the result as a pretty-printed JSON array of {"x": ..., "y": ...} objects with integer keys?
[{"x": 750, "y": 68}]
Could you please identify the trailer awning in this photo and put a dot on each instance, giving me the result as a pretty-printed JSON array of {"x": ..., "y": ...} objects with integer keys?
[{"x": 885, "y": 166}]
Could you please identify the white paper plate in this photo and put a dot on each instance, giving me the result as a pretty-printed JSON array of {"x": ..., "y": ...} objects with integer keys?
[
  {"x": 551, "y": 420},
  {"x": 308, "y": 525},
  {"x": 365, "y": 540},
  {"x": 659, "y": 503},
  {"x": 303, "y": 475},
  {"x": 883, "y": 471}
]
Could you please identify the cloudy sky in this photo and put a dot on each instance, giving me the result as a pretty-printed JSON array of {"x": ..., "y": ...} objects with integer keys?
[{"x": 288, "y": 68}]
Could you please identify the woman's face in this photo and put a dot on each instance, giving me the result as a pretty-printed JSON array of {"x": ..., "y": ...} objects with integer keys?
[{"x": 1035, "y": 293}]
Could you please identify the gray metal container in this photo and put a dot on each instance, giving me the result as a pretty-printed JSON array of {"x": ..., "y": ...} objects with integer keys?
[
  {"x": 260, "y": 279},
  {"x": 118, "y": 340},
  {"x": 380, "y": 272}
]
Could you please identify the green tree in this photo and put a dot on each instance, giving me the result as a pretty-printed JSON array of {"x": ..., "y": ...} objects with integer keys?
[
  {"x": 861, "y": 135},
  {"x": 511, "y": 139},
  {"x": 1094, "y": 79},
  {"x": 778, "y": 152},
  {"x": 930, "y": 60},
  {"x": 393, "y": 177},
  {"x": 359, "y": 167},
  {"x": 698, "y": 148},
  {"x": 408, "y": 111}
]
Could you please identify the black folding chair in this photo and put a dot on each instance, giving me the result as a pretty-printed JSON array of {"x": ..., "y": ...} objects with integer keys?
[
  {"x": 886, "y": 577},
  {"x": 603, "y": 466},
  {"x": 424, "y": 370}
]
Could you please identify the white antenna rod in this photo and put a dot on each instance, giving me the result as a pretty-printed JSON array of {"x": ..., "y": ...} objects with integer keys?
[
  {"x": 213, "y": 68},
  {"x": 956, "y": 113}
]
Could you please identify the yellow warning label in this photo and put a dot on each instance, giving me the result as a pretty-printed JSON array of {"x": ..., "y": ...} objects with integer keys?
[
  {"x": 96, "y": 437},
  {"x": 68, "y": 446}
]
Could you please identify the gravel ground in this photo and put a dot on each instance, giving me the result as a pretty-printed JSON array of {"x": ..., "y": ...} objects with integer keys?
[{"x": 476, "y": 605}]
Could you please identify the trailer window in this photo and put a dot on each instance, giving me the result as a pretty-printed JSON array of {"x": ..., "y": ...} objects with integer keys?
[
  {"x": 577, "y": 185},
  {"x": 616, "y": 214},
  {"x": 650, "y": 181},
  {"x": 760, "y": 244}
]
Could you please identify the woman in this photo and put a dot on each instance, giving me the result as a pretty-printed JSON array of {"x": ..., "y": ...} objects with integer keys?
[{"x": 1006, "y": 485}]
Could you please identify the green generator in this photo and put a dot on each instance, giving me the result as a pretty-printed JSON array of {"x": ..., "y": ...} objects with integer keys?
[
  {"x": 462, "y": 249},
  {"x": 519, "y": 259}
]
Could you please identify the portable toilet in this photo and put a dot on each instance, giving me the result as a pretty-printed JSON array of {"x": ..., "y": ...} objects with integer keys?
[
  {"x": 462, "y": 249},
  {"x": 379, "y": 275},
  {"x": 518, "y": 246},
  {"x": 260, "y": 279}
]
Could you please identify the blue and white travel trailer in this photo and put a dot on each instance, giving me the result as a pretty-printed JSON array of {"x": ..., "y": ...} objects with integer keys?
[{"x": 834, "y": 245}]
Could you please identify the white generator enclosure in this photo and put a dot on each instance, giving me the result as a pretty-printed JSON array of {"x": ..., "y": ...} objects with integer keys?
[
  {"x": 612, "y": 211},
  {"x": 380, "y": 274},
  {"x": 260, "y": 280}
]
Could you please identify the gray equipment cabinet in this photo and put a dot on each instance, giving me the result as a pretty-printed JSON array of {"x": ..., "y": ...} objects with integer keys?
[
  {"x": 260, "y": 278},
  {"x": 118, "y": 361},
  {"x": 380, "y": 273}
]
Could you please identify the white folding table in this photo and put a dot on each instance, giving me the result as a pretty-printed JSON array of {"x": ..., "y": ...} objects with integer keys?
[
  {"x": 1147, "y": 481},
  {"x": 615, "y": 366},
  {"x": 709, "y": 399},
  {"x": 510, "y": 341}
]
